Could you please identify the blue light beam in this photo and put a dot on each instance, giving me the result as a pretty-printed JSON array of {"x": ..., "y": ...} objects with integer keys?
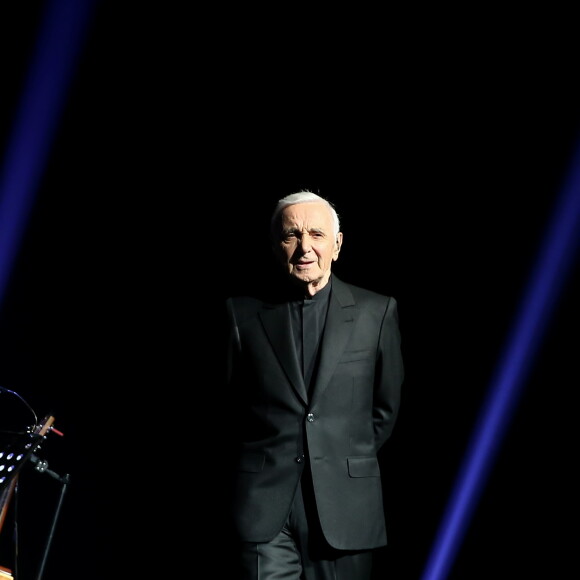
[
  {"x": 56, "y": 53},
  {"x": 548, "y": 276}
]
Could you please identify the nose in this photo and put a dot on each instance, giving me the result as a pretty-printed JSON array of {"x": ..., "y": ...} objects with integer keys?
[{"x": 305, "y": 243}]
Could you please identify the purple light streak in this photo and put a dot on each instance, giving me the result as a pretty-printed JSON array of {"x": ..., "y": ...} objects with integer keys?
[
  {"x": 553, "y": 264},
  {"x": 43, "y": 100}
]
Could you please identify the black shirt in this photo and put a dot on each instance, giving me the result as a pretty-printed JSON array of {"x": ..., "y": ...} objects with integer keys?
[{"x": 308, "y": 316}]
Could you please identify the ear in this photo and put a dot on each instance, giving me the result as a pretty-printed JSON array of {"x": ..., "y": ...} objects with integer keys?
[{"x": 337, "y": 246}]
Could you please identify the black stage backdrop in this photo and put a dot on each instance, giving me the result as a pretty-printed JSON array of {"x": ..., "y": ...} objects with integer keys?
[{"x": 444, "y": 151}]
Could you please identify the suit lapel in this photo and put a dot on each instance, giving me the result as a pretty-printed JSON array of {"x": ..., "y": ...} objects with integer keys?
[
  {"x": 277, "y": 325},
  {"x": 339, "y": 326}
]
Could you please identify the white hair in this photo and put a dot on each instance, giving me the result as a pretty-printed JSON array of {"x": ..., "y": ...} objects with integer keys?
[{"x": 302, "y": 196}]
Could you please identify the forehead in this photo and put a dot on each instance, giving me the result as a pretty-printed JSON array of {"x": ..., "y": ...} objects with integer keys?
[{"x": 313, "y": 215}]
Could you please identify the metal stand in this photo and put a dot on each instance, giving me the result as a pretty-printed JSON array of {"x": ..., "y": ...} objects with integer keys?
[
  {"x": 42, "y": 467},
  {"x": 15, "y": 452}
]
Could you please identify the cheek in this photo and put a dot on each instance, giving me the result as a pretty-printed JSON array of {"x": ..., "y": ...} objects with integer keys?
[
  {"x": 328, "y": 256},
  {"x": 284, "y": 253}
]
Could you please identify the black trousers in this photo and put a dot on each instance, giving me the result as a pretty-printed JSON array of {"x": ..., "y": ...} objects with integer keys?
[{"x": 300, "y": 552}]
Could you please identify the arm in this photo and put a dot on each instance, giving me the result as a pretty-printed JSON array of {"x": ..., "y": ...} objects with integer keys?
[{"x": 388, "y": 376}]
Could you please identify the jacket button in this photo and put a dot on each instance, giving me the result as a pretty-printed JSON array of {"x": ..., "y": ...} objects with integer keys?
[
  {"x": 300, "y": 459},
  {"x": 310, "y": 417}
]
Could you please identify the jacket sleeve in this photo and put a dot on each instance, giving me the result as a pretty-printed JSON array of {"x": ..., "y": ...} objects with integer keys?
[{"x": 389, "y": 375}]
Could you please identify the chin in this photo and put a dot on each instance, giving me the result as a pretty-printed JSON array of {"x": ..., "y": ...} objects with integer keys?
[{"x": 307, "y": 278}]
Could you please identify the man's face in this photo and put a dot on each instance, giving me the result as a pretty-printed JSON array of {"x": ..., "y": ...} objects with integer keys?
[{"x": 308, "y": 245}]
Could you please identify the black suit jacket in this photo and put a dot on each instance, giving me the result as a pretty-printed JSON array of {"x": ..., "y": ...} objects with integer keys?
[{"x": 350, "y": 414}]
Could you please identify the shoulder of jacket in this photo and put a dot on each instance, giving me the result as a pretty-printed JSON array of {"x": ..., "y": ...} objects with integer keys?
[
  {"x": 359, "y": 293},
  {"x": 243, "y": 308}
]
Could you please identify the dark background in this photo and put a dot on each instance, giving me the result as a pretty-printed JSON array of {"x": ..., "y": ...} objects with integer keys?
[{"x": 444, "y": 149}]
